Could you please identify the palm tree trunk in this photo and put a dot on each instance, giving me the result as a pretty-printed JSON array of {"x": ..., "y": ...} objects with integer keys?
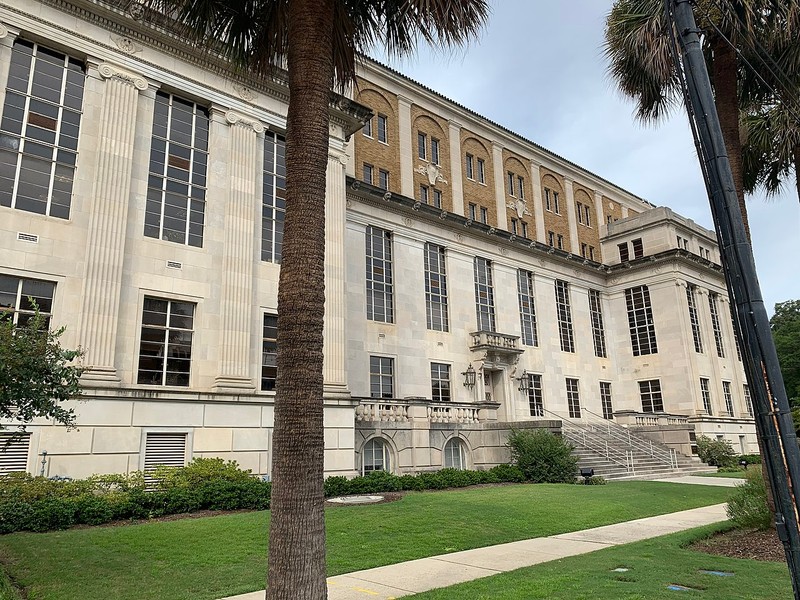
[
  {"x": 796, "y": 156},
  {"x": 726, "y": 98},
  {"x": 296, "y": 568}
]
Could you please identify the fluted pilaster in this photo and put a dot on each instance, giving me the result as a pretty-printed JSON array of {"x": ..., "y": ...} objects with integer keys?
[
  {"x": 334, "y": 364},
  {"x": 574, "y": 243},
  {"x": 499, "y": 186},
  {"x": 538, "y": 207},
  {"x": 456, "y": 180},
  {"x": 406, "y": 148},
  {"x": 236, "y": 325},
  {"x": 105, "y": 244}
]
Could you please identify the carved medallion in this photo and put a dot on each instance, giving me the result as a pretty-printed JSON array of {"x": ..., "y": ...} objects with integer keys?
[
  {"x": 432, "y": 172},
  {"x": 520, "y": 207}
]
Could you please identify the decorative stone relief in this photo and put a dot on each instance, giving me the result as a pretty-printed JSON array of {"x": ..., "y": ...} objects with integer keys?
[
  {"x": 136, "y": 10},
  {"x": 3, "y": 31},
  {"x": 610, "y": 206},
  {"x": 432, "y": 172},
  {"x": 520, "y": 207},
  {"x": 408, "y": 222},
  {"x": 245, "y": 93},
  {"x": 234, "y": 118},
  {"x": 126, "y": 44},
  {"x": 503, "y": 251},
  {"x": 459, "y": 237},
  {"x": 349, "y": 203},
  {"x": 108, "y": 71}
]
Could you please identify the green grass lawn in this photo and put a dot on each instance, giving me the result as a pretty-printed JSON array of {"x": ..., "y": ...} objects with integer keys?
[
  {"x": 735, "y": 475},
  {"x": 653, "y": 565},
  {"x": 204, "y": 559}
]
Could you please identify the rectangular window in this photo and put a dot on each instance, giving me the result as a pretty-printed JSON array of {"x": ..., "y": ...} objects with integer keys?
[
  {"x": 624, "y": 256},
  {"x": 382, "y": 122},
  {"x": 527, "y": 308},
  {"x": 511, "y": 184},
  {"x": 469, "y": 166},
  {"x": 579, "y": 212},
  {"x": 715, "y": 324},
  {"x": 484, "y": 215},
  {"x": 176, "y": 187},
  {"x": 587, "y": 217},
  {"x": 728, "y": 396},
  {"x": 14, "y": 450},
  {"x": 165, "y": 350},
  {"x": 273, "y": 205},
  {"x": 584, "y": 250},
  {"x": 650, "y": 392},
  {"x": 481, "y": 171},
  {"x": 19, "y": 297},
  {"x": 560, "y": 241},
  {"x": 564, "y": 313},
  {"x": 381, "y": 377},
  {"x": 591, "y": 252},
  {"x": 380, "y": 281},
  {"x": 551, "y": 239},
  {"x": 473, "y": 209},
  {"x": 525, "y": 230},
  {"x": 514, "y": 226},
  {"x": 383, "y": 179},
  {"x": 434, "y": 151},
  {"x": 693, "y": 318},
  {"x": 269, "y": 352},
  {"x": 573, "y": 399},
  {"x": 556, "y": 208},
  {"x": 484, "y": 294},
  {"x": 605, "y": 400},
  {"x": 367, "y": 173},
  {"x": 367, "y": 129},
  {"x": 39, "y": 130},
  {"x": 640, "y": 321},
  {"x": 748, "y": 400},
  {"x": 437, "y": 198},
  {"x": 548, "y": 202},
  {"x": 535, "y": 396},
  {"x": 638, "y": 248},
  {"x": 423, "y": 193},
  {"x": 440, "y": 382},
  {"x": 422, "y": 146},
  {"x": 436, "y": 288},
  {"x": 598, "y": 329},
  {"x": 521, "y": 187},
  {"x": 705, "y": 394}
]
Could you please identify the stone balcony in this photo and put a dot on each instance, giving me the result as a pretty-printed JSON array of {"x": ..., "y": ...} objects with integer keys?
[
  {"x": 422, "y": 411},
  {"x": 630, "y": 418},
  {"x": 499, "y": 348}
]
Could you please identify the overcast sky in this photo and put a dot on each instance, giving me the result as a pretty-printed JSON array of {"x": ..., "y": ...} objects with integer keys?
[{"x": 538, "y": 70}]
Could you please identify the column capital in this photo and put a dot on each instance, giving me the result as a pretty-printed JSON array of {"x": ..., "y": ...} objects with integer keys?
[
  {"x": 497, "y": 145},
  {"x": 8, "y": 34},
  {"x": 568, "y": 180},
  {"x": 454, "y": 124},
  {"x": 234, "y": 118},
  {"x": 404, "y": 100},
  {"x": 111, "y": 71},
  {"x": 535, "y": 164}
]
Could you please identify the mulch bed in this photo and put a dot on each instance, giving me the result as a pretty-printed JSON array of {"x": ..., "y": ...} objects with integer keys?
[{"x": 749, "y": 543}]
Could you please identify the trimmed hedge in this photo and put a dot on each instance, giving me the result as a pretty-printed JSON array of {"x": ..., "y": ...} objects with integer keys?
[{"x": 39, "y": 504}]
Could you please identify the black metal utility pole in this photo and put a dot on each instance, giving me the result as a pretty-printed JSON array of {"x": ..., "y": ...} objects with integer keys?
[{"x": 773, "y": 417}]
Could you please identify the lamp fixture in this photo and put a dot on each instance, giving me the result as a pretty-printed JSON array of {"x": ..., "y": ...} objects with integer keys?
[
  {"x": 524, "y": 382},
  {"x": 469, "y": 377}
]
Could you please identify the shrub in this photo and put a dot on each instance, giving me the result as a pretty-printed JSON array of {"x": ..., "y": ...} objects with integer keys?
[
  {"x": 542, "y": 456},
  {"x": 200, "y": 470},
  {"x": 595, "y": 480},
  {"x": 747, "y": 507},
  {"x": 336, "y": 485},
  {"x": 750, "y": 459},
  {"x": 717, "y": 453},
  {"x": 505, "y": 474}
]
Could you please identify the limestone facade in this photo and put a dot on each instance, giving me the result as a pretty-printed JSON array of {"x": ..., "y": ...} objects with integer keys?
[{"x": 396, "y": 349}]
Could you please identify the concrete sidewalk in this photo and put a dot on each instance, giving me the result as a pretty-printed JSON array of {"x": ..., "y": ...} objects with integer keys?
[{"x": 403, "y": 579}]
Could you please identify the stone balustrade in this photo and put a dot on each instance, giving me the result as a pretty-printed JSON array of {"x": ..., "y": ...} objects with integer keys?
[
  {"x": 391, "y": 410},
  {"x": 494, "y": 340},
  {"x": 629, "y": 418}
]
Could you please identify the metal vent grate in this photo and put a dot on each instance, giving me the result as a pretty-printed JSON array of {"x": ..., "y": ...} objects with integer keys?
[
  {"x": 27, "y": 237},
  {"x": 174, "y": 264},
  {"x": 14, "y": 452},
  {"x": 167, "y": 449}
]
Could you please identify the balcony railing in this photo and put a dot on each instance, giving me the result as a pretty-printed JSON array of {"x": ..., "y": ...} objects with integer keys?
[
  {"x": 391, "y": 410},
  {"x": 491, "y": 340}
]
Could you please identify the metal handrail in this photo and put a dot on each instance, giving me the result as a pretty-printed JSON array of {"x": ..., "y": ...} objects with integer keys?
[
  {"x": 589, "y": 439},
  {"x": 617, "y": 431}
]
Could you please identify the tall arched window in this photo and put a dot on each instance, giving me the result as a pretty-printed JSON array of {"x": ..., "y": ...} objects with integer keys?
[
  {"x": 455, "y": 456},
  {"x": 375, "y": 456}
]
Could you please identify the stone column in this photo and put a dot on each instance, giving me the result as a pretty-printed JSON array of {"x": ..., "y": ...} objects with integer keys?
[
  {"x": 456, "y": 178},
  {"x": 105, "y": 243},
  {"x": 575, "y": 246},
  {"x": 237, "y": 262},
  {"x": 598, "y": 211},
  {"x": 406, "y": 148},
  {"x": 499, "y": 185},
  {"x": 335, "y": 341},
  {"x": 624, "y": 211},
  {"x": 7, "y": 37},
  {"x": 538, "y": 207}
]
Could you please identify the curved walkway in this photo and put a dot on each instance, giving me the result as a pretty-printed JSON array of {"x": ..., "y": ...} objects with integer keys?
[{"x": 412, "y": 577}]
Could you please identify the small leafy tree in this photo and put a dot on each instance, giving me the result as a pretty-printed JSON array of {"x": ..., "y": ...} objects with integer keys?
[
  {"x": 36, "y": 374},
  {"x": 747, "y": 507},
  {"x": 542, "y": 456},
  {"x": 717, "y": 453}
]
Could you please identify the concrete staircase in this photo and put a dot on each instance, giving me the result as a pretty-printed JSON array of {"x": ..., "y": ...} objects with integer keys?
[{"x": 616, "y": 453}]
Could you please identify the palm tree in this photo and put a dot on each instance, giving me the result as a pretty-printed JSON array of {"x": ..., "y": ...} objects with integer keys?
[
  {"x": 638, "y": 47},
  {"x": 319, "y": 42}
]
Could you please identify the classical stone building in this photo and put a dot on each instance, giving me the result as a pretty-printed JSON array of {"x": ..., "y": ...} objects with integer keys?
[{"x": 473, "y": 278}]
